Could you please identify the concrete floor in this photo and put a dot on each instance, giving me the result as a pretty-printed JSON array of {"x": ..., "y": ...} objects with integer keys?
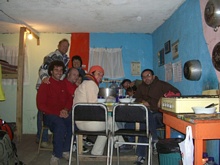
[{"x": 27, "y": 153}]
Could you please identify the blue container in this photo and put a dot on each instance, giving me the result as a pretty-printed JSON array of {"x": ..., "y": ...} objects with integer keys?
[
  {"x": 213, "y": 148},
  {"x": 170, "y": 159},
  {"x": 176, "y": 134}
]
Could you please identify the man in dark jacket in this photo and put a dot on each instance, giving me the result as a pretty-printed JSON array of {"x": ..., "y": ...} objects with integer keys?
[{"x": 149, "y": 92}]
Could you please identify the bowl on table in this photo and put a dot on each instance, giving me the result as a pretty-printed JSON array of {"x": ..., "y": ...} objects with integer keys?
[
  {"x": 100, "y": 100},
  {"x": 127, "y": 100},
  {"x": 203, "y": 110}
]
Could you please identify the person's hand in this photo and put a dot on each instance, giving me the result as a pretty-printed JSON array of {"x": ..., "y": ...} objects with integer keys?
[
  {"x": 145, "y": 103},
  {"x": 46, "y": 80},
  {"x": 131, "y": 84},
  {"x": 64, "y": 113},
  {"x": 159, "y": 103}
]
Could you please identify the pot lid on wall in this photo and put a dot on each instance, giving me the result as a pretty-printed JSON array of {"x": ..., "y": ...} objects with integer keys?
[
  {"x": 212, "y": 14},
  {"x": 192, "y": 70},
  {"x": 216, "y": 56}
]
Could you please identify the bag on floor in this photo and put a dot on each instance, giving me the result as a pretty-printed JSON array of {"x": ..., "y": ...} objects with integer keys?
[
  {"x": 187, "y": 147},
  {"x": 7, "y": 155},
  {"x": 5, "y": 127},
  {"x": 8, "y": 150}
]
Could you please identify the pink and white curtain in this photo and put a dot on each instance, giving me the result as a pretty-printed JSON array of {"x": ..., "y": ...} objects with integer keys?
[{"x": 109, "y": 59}]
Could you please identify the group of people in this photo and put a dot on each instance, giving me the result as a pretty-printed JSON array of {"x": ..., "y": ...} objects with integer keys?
[
  {"x": 58, "y": 91},
  {"x": 55, "y": 92}
]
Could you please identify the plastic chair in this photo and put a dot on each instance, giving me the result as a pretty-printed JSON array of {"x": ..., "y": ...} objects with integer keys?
[
  {"x": 89, "y": 112},
  {"x": 43, "y": 127},
  {"x": 134, "y": 113}
]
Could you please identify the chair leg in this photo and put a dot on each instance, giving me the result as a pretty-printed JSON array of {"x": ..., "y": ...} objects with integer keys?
[
  {"x": 77, "y": 150},
  {"x": 118, "y": 156},
  {"x": 108, "y": 150},
  {"x": 40, "y": 140},
  {"x": 71, "y": 149},
  {"x": 150, "y": 151},
  {"x": 111, "y": 150}
]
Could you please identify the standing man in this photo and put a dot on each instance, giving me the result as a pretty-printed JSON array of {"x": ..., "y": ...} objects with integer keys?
[
  {"x": 58, "y": 54},
  {"x": 149, "y": 92},
  {"x": 55, "y": 102}
]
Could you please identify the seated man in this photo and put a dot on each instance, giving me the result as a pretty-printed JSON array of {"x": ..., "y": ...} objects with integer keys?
[
  {"x": 55, "y": 101},
  {"x": 149, "y": 92}
]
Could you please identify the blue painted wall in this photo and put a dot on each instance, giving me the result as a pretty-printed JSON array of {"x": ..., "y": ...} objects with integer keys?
[
  {"x": 185, "y": 25},
  {"x": 135, "y": 47}
]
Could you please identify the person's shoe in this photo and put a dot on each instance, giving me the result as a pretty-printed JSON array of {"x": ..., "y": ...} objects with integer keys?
[
  {"x": 74, "y": 147},
  {"x": 125, "y": 148},
  {"x": 140, "y": 160},
  {"x": 85, "y": 150},
  {"x": 88, "y": 142},
  {"x": 66, "y": 155},
  {"x": 54, "y": 160},
  {"x": 46, "y": 145},
  {"x": 155, "y": 148},
  {"x": 37, "y": 140}
]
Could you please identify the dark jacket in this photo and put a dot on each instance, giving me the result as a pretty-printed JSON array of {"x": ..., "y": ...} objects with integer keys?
[{"x": 153, "y": 92}]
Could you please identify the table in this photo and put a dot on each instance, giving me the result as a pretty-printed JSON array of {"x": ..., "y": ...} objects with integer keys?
[{"x": 201, "y": 129}]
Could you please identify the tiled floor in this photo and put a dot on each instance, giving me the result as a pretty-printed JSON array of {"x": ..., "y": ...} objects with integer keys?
[{"x": 27, "y": 153}]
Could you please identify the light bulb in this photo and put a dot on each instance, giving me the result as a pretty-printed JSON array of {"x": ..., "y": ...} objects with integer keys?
[{"x": 30, "y": 36}]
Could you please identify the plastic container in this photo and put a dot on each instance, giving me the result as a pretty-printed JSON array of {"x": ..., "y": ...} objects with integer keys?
[
  {"x": 170, "y": 159},
  {"x": 211, "y": 161},
  {"x": 176, "y": 134},
  {"x": 205, "y": 158},
  {"x": 169, "y": 152}
]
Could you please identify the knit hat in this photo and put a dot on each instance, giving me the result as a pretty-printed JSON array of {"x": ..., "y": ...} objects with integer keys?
[{"x": 96, "y": 68}]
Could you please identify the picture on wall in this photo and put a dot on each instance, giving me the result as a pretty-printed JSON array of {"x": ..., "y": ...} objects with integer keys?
[
  {"x": 167, "y": 47},
  {"x": 175, "y": 49},
  {"x": 161, "y": 57}
]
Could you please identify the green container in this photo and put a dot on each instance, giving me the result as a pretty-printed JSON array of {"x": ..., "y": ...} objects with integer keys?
[{"x": 170, "y": 159}]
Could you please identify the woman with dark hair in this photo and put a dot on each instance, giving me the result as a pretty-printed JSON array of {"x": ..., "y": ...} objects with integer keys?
[{"x": 77, "y": 63}]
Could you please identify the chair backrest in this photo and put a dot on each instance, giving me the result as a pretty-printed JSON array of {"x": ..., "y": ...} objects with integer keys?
[
  {"x": 131, "y": 113},
  {"x": 90, "y": 112}
]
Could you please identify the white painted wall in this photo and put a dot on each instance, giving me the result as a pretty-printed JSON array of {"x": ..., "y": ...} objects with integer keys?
[{"x": 48, "y": 43}]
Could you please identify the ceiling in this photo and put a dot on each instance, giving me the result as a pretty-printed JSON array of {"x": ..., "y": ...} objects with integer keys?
[{"x": 68, "y": 16}]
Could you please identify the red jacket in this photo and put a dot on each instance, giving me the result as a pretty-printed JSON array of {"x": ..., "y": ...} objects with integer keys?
[
  {"x": 70, "y": 87},
  {"x": 53, "y": 97}
]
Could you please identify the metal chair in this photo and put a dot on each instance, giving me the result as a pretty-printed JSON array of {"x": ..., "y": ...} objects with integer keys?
[
  {"x": 134, "y": 113},
  {"x": 89, "y": 112}
]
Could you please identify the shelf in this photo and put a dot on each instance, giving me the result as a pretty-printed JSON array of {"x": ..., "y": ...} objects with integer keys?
[
  {"x": 10, "y": 76},
  {"x": 111, "y": 81}
]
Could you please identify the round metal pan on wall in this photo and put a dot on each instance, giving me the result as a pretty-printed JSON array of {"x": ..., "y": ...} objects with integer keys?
[
  {"x": 211, "y": 14},
  {"x": 192, "y": 70},
  {"x": 216, "y": 56}
]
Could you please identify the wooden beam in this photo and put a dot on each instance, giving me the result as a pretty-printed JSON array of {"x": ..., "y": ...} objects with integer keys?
[{"x": 19, "y": 112}]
